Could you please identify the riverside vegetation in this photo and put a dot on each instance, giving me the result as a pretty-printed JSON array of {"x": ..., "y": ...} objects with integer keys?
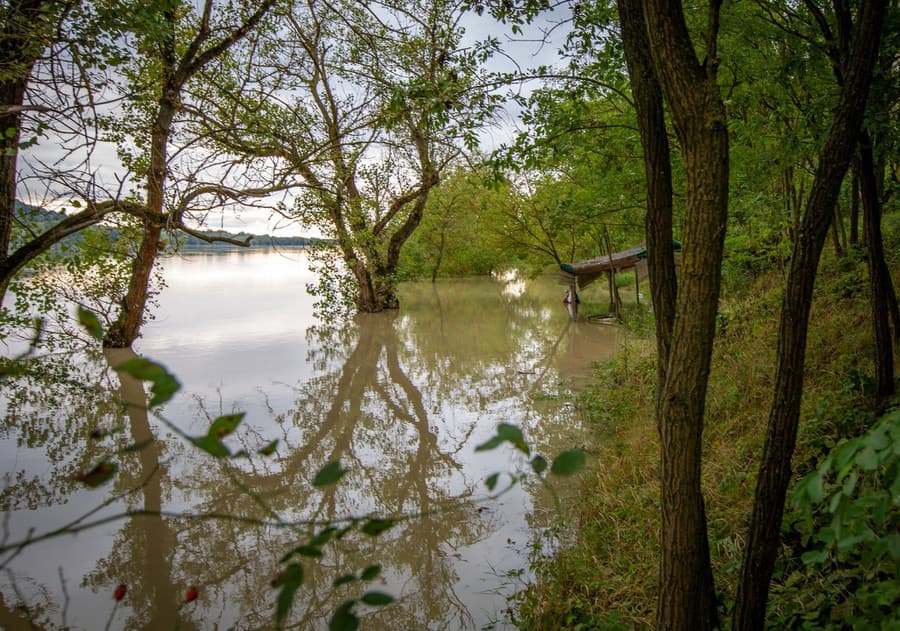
[
  {"x": 839, "y": 545},
  {"x": 759, "y": 134}
]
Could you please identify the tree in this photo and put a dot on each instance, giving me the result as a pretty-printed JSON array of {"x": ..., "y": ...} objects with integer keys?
[
  {"x": 689, "y": 85},
  {"x": 454, "y": 237},
  {"x": 36, "y": 35},
  {"x": 648, "y": 104},
  {"x": 368, "y": 108},
  {"x": 775, "y": 464},
  {"x": 168, "y": 61},
  {"x": 26, "y": 27}
]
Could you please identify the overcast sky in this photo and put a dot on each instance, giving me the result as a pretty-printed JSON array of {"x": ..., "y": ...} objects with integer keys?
[{"x": 518, "y": 52}]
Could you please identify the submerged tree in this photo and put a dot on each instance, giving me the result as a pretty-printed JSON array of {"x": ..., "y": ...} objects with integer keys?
[
  {"x": 368, "y": 105},
  {"x": 174, "y": 45}
]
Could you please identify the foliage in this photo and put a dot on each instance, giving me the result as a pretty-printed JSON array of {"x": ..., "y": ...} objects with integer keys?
[
  {"x": 604, "y": 576},
  {"x": 458, "y": 232},
  {"x": 365, "y": 109},
  {"x": 89, "y": 269},
  {"x": 849, "y": 513}
]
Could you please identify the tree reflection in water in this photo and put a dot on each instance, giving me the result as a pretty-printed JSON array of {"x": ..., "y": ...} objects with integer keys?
[{"x": 401, "y": 400}]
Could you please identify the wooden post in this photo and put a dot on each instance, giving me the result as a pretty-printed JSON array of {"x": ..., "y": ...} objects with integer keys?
[{"x": 637, "y": 287}]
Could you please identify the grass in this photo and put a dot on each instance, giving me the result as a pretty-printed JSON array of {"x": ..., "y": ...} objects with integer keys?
[{"x": 606, "y": 578}]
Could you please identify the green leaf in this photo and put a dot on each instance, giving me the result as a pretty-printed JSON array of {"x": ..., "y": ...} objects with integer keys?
[
  {"x": 343, "y": 580},
  {"x": 568, "y": 462},
  {"x": 141, "y": 368},
  {"x": 211, "y": 445},
  {"x": 289, "y": 580},
  {"x": 91, "y": 323},
  {"x": 371, "y": 573},
  {"x": 103, "y": 472},
  {"x": 269, "y": 449},
  {"x": 491, "y": 481},
  {"x": 224, "y": 425},
  {"x": 814, "y": 487},
  {"x": 539, "y": 464},
  {"x": 323, "y": 537},
  {"x": 493, "y": 443},
  {"x": 164, "y": 384},
  {"x": 375, "y": 526},
  {"x": 377, "y": 599},
  {"x": 343, "y": 618},
  {"x": 513, "y": 434},
  {"x": 878, "y": 438},
  {"x": 506, "y": 433},
  {"x": 844, "y": 454},
  {"x": 163, "y": 389},
  {"x": 814, "y": 557},
  {"x": 329, "y": 474},
  {"x": 867, "y": 459},
  {"x": 308, "y": 551}
]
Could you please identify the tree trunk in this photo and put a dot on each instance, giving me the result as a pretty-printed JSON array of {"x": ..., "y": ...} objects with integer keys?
[
  {"x": 127, "y": 327},
  {"x": 879, "y": 276},
  {"x": 835, "y": 237},
  {"x": 440, "y": 255},
  {"x": 18, "y": 51},
  {"x": 854, "y": 207},
  {"x": 775, "y": 467},
  {"x": 375, "y": 292},
  {"x": 12, "y": 93},
  {"x": 648, "y": 103},
  {"x": 687, "y": 593}
]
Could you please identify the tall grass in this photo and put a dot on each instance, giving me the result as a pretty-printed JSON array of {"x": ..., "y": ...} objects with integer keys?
[{"x": 606, "y": 578}]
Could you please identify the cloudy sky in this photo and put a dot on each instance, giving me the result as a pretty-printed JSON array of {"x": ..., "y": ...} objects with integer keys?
[{"x": 520, "y": 52}]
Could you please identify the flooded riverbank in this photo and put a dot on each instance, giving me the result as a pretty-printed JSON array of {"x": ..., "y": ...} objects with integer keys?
[{"x": 401, "y": 399}]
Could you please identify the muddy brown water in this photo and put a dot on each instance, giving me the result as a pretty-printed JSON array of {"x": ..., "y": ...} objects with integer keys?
[{"x": 401, "y": 399}]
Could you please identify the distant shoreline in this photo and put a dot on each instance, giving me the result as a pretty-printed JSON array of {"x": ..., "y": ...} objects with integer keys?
[{"x": 221, "y": 248}]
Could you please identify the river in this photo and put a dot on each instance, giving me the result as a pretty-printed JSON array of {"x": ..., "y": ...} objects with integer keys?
[{"x": 400, "y": 399}]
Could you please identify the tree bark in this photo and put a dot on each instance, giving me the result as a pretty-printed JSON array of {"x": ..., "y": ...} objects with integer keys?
[
  {"x": 854, "y": 207},
  {"x": 687, "y": 593},
  {"x": 18, "y": 54},
  {"x": 880, "y": 283},
  {"x": 127, "y": 327},
  {"x": 775, "y": 467},
  {"x": 648, "y": 104}
]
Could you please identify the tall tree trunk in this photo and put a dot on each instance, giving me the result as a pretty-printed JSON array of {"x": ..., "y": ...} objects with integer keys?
[
  {"x": 775, "y": 467},
  {"x": 19, "y": 49},
  {"x": 12, "y": 93},
  {"x": 375, "y": 290},
  {"x": 687, "y": 593},
  {"x": 648, "y": 103},
  {"x": 854, "y": 206},
  {"x": 127, "y": 327},
  {"x": 880, "y": 282},
  {"x": 835, "y": 237}
]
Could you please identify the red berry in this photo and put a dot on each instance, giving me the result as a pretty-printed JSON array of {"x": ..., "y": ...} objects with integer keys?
[
  {"x": 191, "y": 595},
  {"x": 119, "y": 594}
]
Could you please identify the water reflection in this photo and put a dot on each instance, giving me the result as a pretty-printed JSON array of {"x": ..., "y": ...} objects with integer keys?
[{"x": 401, "y": 399}]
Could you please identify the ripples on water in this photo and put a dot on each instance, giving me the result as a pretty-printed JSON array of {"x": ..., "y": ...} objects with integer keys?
[{"x": 402, "y": 399}]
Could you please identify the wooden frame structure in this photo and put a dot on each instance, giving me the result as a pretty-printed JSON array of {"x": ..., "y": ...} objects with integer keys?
[{"x": 579, "y": 275}]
